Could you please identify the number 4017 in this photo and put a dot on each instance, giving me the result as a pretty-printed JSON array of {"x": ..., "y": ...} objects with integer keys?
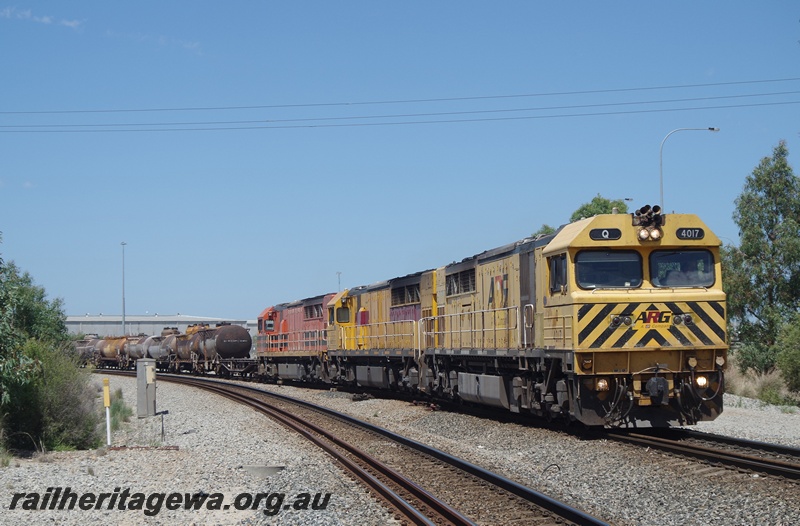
[{"x": 691, "y": 233}]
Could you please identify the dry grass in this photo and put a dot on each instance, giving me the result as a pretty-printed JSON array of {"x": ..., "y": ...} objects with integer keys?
[
  {"x": 5, "y": 458},
  {"x": 769, "y": 387}
]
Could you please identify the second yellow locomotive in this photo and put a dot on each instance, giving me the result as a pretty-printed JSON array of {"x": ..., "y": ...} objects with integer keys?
[{"x": 614, "y": 320}]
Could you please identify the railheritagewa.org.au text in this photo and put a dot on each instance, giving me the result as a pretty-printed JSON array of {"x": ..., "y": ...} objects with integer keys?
[{"x": 151, "y": 504}]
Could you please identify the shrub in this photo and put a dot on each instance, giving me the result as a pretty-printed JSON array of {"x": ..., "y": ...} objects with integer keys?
[
  {"x": 789, "y": 356},
  {"x": 5, "y": 458},
  {"x": 755, "y": 357},
  {"x": 120, "y": 411},
  {"x": 773, "y": 391},
  {"x": 57, "y": 409},
  {"x": 768, "y": 387},
  {"x": 736, "y": 381}
]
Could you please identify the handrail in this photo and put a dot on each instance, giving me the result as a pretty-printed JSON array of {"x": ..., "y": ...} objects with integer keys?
[
  {"x": 479, "y": 329},
  {"x": 463, "y": 330},
  {"x": 622, "y": 290},
  {"x": 295, "y": 340},
  {"x": 378, "y": 334},
  {"x": 529, "y": 323}
]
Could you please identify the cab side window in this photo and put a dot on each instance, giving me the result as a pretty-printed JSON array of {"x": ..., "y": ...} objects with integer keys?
[{"x": 558, "y": 273}]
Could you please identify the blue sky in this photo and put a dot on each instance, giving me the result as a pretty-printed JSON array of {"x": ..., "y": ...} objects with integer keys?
[{"x": 246, "y": 152}]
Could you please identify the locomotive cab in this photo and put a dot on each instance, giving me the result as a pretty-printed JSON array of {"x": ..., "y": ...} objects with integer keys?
[{"x": 637, "y": 303}]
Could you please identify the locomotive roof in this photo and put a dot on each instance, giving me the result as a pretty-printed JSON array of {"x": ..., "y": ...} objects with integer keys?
[
  {"x": 567, "y": 234},
  {"x": 577, "y": 234},
  {"x": 369, "y": 288},
  {"x": 408, "y": 279},
  {"x": 314, "y": 300},
  {"x": 523, "y": 245}
]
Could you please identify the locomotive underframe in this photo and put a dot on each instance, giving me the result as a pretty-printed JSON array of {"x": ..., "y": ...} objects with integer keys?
[
  {"x": 538, "y": 382},
  {"x": 298, "y": 367}
]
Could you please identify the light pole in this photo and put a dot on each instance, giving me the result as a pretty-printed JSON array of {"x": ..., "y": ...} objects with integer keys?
[
  {"x": 123, "y": 287},
  {"x": 661, "y": 158}
]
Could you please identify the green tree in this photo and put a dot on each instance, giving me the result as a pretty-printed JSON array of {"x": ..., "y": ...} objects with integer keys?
[
  {"x": 46, "y": 400},
  {"x": 15, "y": 367},
  {"x": 35, "y": 316},
  {"x": 544, "y": 230},
  {"x": 57, "y": 408},
  {"x": 762, "y": 275},
  {"x": 599, "y": 205},
  {"x": 789, "y": 355}
]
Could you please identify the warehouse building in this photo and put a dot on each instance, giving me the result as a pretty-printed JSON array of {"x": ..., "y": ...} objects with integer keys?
[{"x": 104, "y": 325}]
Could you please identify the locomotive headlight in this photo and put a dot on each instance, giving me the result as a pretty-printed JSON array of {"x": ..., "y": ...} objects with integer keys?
[
  {"x": 649, "y": 234},
  {"x": 601, "y": 384},
  {"x": 701, "y": 381}
]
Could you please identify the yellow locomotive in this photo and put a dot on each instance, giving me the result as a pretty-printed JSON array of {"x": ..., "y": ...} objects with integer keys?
[{"x": 614, "y": 320}]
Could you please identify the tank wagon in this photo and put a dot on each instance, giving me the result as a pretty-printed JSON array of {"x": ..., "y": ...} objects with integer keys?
[
  {"x": 614, "y": 320},
  {"x": 85, "y": 347},
  {"x": 224, "y": 349}
]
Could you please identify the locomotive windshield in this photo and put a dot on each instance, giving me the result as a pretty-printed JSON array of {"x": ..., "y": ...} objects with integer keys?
[
  {"x": 682, "y": 268},
  {"x": 608, "y": 269}
]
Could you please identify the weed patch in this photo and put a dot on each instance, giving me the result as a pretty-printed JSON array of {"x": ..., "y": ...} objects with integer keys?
[{"x": 120, "y": 412}]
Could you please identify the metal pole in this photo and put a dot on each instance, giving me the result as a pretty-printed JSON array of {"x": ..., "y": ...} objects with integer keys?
[
  {"x": 661, "y": 159},
  {"x": 123, "y": 287}
]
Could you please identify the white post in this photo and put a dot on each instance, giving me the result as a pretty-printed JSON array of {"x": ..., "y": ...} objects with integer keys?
[
  {"x": 108, "y": 426},
  {"x": 107, "y": 403}
]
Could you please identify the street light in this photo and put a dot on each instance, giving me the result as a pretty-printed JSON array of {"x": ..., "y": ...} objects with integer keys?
[
  {"x": 123, "y": 287},
  {"x": 661, "y": 158}
]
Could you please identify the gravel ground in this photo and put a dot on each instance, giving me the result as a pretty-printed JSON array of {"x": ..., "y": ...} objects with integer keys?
[
  {"x": 620, "y": 484},
  {"x": 222, "y": 448}
]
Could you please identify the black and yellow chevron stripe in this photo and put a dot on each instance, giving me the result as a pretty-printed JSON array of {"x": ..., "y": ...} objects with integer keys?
[{"x": 652, "y": 325}]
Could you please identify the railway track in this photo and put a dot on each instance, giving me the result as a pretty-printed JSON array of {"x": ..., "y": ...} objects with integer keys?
[
  {"x": 421, "y": 484},
  {"x": 748, "y": 456},
  {"x": 743, "y": 455}
]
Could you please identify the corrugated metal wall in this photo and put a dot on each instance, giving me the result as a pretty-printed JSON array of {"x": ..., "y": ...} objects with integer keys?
[{"x": 150, "y": 325}]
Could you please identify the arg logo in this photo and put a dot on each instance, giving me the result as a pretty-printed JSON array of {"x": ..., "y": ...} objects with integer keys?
[{"x": 653, "y": 319}]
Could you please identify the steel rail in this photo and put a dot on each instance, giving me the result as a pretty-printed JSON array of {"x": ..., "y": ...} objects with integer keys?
[
  {"x": 310, "y": 432},
  {"x": 769, "y": 447},
  {"x": 536, "y": 498},
  {"x": 771, "y": 467},
  {"x": 539, "y": 499}
]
